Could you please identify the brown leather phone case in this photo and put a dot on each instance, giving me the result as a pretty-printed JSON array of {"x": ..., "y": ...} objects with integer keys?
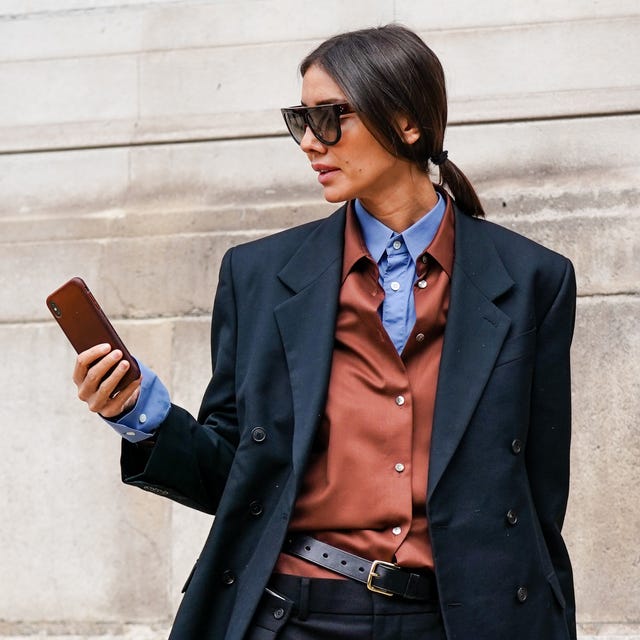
[{"x": 86, "y": 325}]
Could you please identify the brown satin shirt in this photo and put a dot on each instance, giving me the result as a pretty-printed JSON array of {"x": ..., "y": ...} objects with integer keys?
[{"x": 365, "y": 487}]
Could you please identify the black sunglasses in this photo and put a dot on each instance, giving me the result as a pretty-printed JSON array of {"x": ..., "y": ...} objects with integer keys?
[{"x": 323, "y": 120}]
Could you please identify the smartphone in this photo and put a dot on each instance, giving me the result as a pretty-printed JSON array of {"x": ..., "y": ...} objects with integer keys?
[{"x": 86, "y": 325}]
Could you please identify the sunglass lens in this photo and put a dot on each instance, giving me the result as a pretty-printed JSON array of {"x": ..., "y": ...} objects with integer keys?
[
  {"x": 295, "y": 123},
  {"x": 325, "y": 124}
]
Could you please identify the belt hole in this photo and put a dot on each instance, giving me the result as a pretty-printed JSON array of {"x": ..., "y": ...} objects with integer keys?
[
  {"x": 325, "y": 555},
  {"x": 361, "y": 569},
  {"x": 343, "y": 562},
  {"x": 308, "y": 548}
]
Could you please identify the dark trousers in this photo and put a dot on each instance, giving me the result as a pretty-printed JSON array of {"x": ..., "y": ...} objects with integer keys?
[{"x": 295, "y": 608}]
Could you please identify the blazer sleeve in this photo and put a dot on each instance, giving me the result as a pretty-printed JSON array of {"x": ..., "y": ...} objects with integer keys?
[
  {"x": 550, "y": 431},
  {"x": 188, "y": 460}
]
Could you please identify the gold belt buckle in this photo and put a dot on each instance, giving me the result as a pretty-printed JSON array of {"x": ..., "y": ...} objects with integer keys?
[{"x": 372, "y": 574}]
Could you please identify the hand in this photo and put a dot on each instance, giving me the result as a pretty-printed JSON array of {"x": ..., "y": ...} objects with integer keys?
[{"x": 91, "y": 366}]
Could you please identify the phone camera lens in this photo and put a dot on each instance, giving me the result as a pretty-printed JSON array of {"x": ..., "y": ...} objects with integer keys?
[{"x": 56, "y": 310}]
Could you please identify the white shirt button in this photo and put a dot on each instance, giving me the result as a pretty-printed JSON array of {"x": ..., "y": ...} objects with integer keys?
[
  {"x": 424, "y": 259},
  {"x": 395, "y": 286},
  {"x": 420, "y": 337},
  {"x": 397, "y": 244},
  {"x": 422, "y": 284},
  {"x": 143, "y": 418},
  {"x": 400, "y": 400},
  {"x": 399, "y": 467},
  {"x": 396, "y": 531},
  {"x": 130, "y": 433}
]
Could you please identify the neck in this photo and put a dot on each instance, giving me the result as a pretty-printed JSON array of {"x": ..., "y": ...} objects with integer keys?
[{"x": 401, "y": 208}]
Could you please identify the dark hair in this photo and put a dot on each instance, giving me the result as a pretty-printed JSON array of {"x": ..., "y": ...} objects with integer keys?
[{"x": 389, "y": 70}]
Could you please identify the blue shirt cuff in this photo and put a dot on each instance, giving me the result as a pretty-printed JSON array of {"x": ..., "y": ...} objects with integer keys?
[{"x": 149, "y": 412}]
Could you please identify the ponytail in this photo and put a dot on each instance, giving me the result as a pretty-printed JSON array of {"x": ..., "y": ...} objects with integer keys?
[{"x": 458, "y": 185}]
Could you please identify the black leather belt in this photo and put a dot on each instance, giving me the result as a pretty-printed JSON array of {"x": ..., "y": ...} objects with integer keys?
[{"x": 380, "y": 577}]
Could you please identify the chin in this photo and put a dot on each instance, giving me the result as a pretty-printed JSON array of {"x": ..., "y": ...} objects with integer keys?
[{"x": 336, "y": 195}]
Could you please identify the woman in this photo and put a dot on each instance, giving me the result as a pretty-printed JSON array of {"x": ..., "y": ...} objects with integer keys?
[{"x": 385, "y": 437}]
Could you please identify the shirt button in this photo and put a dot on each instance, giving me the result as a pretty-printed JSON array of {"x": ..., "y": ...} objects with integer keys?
[
  {"x": 399, "y": 467},
  {"x": 422, "y": 284},
  {"x": 278, "y": 613},
  {"x": 516, "y": 446},
  {"x": 420, "y": 337},
  {"x": 130, "y": 433},
  {"x": 512, "y": 517},
  {"x": 400, "y": 400},
  {"x": 522, "y": 594},
  {"x": 396, "y": 531},
  {"x": 143, "y": 418},
  {"x": 395, "y": 286},
  {"x": 397, "y": 244}
]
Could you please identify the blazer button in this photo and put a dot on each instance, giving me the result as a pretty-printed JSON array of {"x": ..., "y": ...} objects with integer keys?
[
  {"x": 228, "y": 578},
  {"x": 516, "y": 446},
  {"x": 255, "y": 509},
  {"x": 258, "y": 434},
  {"x": 512, "y": 517},
  {"x": 522, "y": 594}
]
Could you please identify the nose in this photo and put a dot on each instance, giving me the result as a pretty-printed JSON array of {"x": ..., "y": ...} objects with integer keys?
[{"x": 310, "y": 143}]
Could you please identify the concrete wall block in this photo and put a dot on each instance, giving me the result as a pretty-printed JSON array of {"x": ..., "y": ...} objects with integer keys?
[
  {"x": 77, "y": 544},
  {"x": 552, "y": 150},
  {"x": 26, "y": 7},
  {"x": 124, "y": 275},
  {"x": 71, "y": 90},
  {"x": 465, "y": 14},
  {"x": 34, "y": 185},
  {"x": 219, "y": 173},
  {"x": 524, "y": 71},
  {"x": 603, "y": 518},
  {"x": 121, "y": 223}
]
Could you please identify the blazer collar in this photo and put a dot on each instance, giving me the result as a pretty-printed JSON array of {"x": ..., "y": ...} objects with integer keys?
[
  {"x": 306, "y": 322},
  {"x": 321, "y": 249},
  {"x": 476, "y": 329}
]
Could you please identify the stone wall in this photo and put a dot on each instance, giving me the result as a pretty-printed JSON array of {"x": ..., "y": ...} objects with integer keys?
[{"x": 140, "y": 139}]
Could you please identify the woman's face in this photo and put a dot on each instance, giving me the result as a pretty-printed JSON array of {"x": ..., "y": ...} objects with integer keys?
[{"x": 358, "y": 166}]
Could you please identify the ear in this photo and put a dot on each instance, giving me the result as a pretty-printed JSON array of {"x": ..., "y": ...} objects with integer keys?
[{"x": 408, "y": 130}]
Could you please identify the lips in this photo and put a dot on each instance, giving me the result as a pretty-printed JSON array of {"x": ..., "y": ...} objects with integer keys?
[{"x": 325, "y": 172}]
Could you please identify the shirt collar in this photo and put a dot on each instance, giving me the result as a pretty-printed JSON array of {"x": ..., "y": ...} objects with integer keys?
[{"x": 417, "y": 237}]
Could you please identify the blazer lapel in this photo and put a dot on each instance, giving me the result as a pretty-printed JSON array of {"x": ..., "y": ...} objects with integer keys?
[
  {"x": 475, "y": 331},
  {"x": 307, "y": 324}
]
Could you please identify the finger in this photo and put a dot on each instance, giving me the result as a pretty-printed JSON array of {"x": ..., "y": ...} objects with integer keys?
[
  {"x": 98, "y": 384},
  {"x": 124, "y": 401},
  {"x": 86, "y": 358},
  {"x": 97, "y": 390},
  {"x": 97, "y": 373}
]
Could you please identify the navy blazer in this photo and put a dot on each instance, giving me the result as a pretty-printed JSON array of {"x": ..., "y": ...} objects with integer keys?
[{"x": 499, "y": 460}]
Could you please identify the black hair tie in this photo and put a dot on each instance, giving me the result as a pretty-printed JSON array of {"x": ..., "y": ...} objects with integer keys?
[{"x": 440, "y": 158}]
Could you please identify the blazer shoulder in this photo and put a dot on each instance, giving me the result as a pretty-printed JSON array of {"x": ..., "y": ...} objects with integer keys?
[{"x": 514, "y": 247}]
